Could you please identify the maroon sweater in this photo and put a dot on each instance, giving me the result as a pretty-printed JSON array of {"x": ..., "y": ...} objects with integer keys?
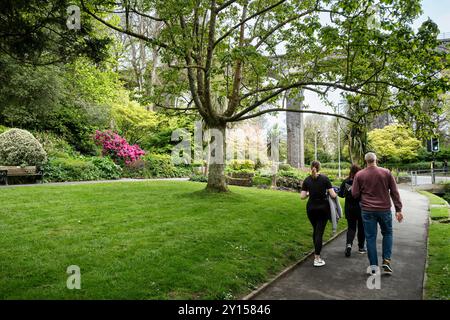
[{"x": 376, "y": 186}]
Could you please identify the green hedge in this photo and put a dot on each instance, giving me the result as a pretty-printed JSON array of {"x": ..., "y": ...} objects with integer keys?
[
  {"x": 20, "y": 148},
  {"x": 3, "y": 129},
  {"x": 55, "y": 146},
  {"x": 335, "y": 165},
  {"x": 447, "y": 192},
  {"x": 262, "y": 181},
  {"x": 81, "y": 169},
  {"x": 411, "y": 166},
  {"x": 238, "y": 165},
  {"x": 198, "y": 178},
  {"x": 156, "y": 166}
]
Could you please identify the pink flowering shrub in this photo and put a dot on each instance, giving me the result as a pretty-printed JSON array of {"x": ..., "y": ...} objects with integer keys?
[{"x": 117, "y": 147}]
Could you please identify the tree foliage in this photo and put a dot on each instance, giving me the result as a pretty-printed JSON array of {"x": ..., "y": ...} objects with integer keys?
[
  {"x": 35, "y": 32},
  {"x": 394, "y": 143},
  {"x": 20, "y": 148},
  {"x": 232, "y": 59}
]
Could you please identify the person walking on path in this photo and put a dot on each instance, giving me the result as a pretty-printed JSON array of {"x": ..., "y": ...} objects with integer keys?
[
  {"x": 375, "y": 186},
  {"x": 352, "y": 211},
  {"x": 316, "y": 187},
  {"x": 445, "y": 165}
]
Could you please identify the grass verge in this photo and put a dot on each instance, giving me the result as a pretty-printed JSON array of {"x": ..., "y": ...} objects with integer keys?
[
  {"x": 147, "y": 240},
  {"x": 438, "y": 270}
]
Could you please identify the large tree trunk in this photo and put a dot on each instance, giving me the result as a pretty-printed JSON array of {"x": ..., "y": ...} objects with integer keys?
[
  {"x": 216, "y": 160},
  {"x": 295, "y": 132}
]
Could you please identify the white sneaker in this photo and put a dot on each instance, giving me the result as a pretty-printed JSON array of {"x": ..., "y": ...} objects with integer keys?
[
  {"x": 319, "y": 263},
  {"x": 373, "y": 270}
]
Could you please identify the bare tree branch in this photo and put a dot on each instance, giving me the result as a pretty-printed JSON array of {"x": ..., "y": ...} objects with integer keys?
[
  {"x": 225, "y": 5},
  {"x": 126, "y": 31},
  {"x": 226, "y": 34},
  {"x": 291, "y": 86},
  {"x": 254, "y": 115},
  {"x": 280, "y": 25},
  {"x": 234, "y": 99}
]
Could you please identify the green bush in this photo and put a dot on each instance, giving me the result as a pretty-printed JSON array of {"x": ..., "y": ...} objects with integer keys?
[
  {"x": 230, "y": 171},
  {"x": 262, "y": 181},
  {"x": 335, "y": 165},
  {"x": 447, "y": 192},
  {"x": 411, "y": 166},
  {"x": 425, "y": 156},
  {"x": 198, "y": 178},
  {"x": 55, "y": 146},
  {"x": 134, "y": 170},
  {"x": 108, "y": 169},
  {"x": 285, "y": 167},
  {"x": 332, "y": 174},
  {"x": 3, "y": 129},
  {"x": 70, "y": 169},
  {"x": 20, "y": 148},
  {"x": 161, "y": 166},
  {"x": 238, "y": 165},
  {"x": 156, "y": 166},
  {"x": 81, "y": 169},
  {"x": 293, "y": 173},
  {"x": 289, "y": 182}
]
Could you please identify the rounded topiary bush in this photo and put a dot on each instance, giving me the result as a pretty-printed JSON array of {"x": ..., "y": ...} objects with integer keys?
[{"x": 20, "y": 148}]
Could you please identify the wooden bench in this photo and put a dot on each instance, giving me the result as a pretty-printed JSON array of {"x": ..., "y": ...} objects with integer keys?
[{"x": 31, "y": 171}]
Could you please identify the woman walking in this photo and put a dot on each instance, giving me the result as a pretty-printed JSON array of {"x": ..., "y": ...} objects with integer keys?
[
  {"x": 352, "y": 213},
  {"x": 316, "y": 187}
]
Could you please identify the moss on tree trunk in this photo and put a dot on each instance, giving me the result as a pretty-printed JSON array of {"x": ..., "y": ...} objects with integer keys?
[{"x": 216, "y": 169}]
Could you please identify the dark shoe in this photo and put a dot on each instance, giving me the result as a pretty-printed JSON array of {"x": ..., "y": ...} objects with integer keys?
[
  {"x": 387, "y": 266},
  {"x": 362, "y": 250},
  {"x": 348, "y": 251}
]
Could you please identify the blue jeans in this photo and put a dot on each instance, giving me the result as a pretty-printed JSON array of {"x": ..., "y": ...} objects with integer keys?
[{"x": 371, "y": 219}]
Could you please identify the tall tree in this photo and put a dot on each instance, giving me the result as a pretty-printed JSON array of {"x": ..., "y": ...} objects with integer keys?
[
  {"x": 36, "y": 32},
  {"x": 234, "y": 58}
]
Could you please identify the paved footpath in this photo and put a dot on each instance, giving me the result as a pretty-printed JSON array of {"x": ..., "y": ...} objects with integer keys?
[{"x": 345, "y": 278}]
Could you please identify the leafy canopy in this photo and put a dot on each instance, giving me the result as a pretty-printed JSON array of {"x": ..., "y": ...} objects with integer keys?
[
  {"x": 234, "y": 59},
  {"x": 395, "y": 143}
]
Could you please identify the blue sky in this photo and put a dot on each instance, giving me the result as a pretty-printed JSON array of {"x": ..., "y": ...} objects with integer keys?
[{"x": 438, "y": 11}]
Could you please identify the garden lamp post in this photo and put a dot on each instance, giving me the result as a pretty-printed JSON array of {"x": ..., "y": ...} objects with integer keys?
[
  {"x": 315, "y": 144},
  {"x": 339, "y": 141}
]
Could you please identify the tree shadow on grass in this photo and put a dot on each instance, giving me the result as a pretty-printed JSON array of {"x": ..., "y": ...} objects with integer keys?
[{"x": 205, "y": 195}]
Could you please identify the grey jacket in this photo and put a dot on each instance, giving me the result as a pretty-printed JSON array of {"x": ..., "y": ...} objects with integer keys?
[{"x": 336, "y": 212}]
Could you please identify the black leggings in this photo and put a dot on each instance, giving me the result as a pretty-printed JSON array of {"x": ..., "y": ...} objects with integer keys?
[
  {"x": 353, "y": 222},
  {"x": 318, "y": 222}
]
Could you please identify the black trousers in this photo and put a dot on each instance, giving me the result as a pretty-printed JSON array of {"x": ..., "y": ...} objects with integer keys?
[
  {"x": 354, "y": 222},
  {"x": 318, "y": 222}
]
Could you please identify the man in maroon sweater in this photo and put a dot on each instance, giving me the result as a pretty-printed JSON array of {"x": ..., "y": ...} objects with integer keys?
[{"x": 375, "y": 187}]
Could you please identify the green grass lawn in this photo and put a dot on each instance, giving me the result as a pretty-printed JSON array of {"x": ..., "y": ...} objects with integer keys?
[
  {"x": 438, "y": 271},
  {"x": 433, "y": 198},
  {"x": 147, "y": 240}
]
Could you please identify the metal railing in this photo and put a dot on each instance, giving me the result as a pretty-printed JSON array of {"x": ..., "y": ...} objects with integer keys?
[
  {"x": 444, "y": 36},
  {"x": 419, "y": 177}
]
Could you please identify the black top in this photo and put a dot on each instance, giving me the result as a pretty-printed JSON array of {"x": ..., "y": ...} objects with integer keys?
[
  {"x": 317, "y": 188},
  {"x": 318, "y": 205},
  {"x": 352, "y": 207}
]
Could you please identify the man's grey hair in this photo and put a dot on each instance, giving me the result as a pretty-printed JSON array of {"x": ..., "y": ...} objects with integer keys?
[{"x": 370, "y": 157}]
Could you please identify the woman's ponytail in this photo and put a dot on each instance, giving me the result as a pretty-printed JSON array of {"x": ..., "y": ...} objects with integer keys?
[{"x": 315, "y": 168}]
